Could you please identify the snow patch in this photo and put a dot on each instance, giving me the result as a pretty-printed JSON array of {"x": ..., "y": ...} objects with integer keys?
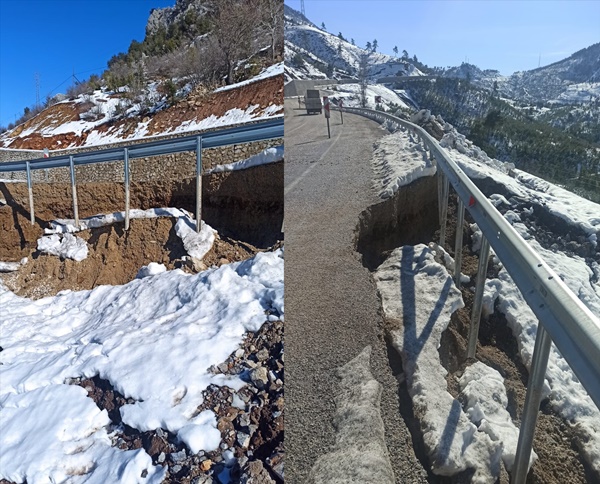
[{"x": 66, "y": 246}]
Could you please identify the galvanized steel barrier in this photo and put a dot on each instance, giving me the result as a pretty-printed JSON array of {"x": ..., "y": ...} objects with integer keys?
[
  {"x": 564, "y": 319},
  {"x": 259, "y": 131}
]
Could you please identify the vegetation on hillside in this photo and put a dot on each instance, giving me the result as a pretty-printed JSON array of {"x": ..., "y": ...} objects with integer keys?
[
  {"x": 569, "y": 156},
  {"x": 231, "y": 41}
]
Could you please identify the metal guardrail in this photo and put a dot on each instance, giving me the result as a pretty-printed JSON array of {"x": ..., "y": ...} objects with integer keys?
[
  {"x": 564, "y": 319},
  {"x": 260, "y": 131}
]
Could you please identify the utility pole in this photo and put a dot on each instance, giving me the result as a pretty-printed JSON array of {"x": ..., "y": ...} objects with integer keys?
[
  {"x": 302, "y": 8},
  {"x": 37, "y": 89}
]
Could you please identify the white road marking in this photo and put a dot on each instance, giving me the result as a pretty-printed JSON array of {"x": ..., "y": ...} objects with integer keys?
[{"x": 293, "y": 185}]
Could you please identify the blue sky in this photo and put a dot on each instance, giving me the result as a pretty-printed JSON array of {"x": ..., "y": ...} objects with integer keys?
[
  {"x": 504, "y": 35},
  {"x": 54, "y": 37}
]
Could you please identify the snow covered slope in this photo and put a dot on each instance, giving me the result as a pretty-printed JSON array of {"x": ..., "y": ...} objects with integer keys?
[{"x": 311, "y": 52}]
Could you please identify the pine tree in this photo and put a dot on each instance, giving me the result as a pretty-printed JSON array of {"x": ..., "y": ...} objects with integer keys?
[
  {"x": 323, "y": 25},
  {"x": 368, "y": 45},
  {"x": 352, "y": 41},
  {"x": 404, "y": 55},
  {"x": 374, "y": 45},
  {"x": 395, "y": 49}
]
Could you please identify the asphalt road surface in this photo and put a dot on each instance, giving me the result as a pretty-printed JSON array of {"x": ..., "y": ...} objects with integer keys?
[{"x": 332, "y": 309}]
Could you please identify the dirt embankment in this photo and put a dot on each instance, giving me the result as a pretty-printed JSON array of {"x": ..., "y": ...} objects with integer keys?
[
  {"x": 199, "y": 105},
  {"x": 245, "y": 207},
  {"x": 411, "y": 217}
]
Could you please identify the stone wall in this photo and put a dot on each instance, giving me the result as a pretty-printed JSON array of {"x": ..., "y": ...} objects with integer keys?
[{"x": 165, "y": 167}]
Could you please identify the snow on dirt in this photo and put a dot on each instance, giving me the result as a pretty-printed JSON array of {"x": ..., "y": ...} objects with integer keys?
[
  {"x": 61, "y": 226},
  {"x": 398, "y": 160},
  {"x": 562, "y": 388},
  {"x": 153, "y": 339},
  {"x": 102, "y": 106},
  {"x": 12, "y": 266},
  {"x": 270, "y": 71},
  {"x": 269, "y": 155},
  {"x": 196, "y": 244},
  {"x": 482, "y": 430},
  {"x": 454, "y": 443},
  {"x": 566, "y": 395},
  {"x": 66, "y": 246}
]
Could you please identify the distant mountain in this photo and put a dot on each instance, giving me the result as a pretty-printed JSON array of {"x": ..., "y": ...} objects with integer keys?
[
  {"x": 313, "y": 53},
  {"x": 574, "y": 80},
  {"x": 559, "y": 82},
  {"x": 545, "y": 121}
]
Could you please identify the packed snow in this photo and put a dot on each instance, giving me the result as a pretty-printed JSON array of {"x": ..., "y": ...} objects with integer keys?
[
  {"x": 357, "y": 409},
  {"x": 153, "y": 339},
  {"x": 269, "y": 155},
  {"x": 196, "y": 244},
  {"x": 61, "y": 226},
  {"x": 12, "y": 266},
  {"x": 65, "y": 246},
  {"x": 398, "y": 160},
  {"x": 418, "y": 293},
  {"x": 151, "y": 270}
]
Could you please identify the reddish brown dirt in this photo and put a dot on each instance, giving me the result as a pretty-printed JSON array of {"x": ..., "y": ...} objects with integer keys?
[
  {"x": 196, "y": 106},
  {"x": 245, "y": 205}
]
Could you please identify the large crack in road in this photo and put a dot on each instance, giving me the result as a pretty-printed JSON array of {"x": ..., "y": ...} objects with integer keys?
[{"x": 332, "y": 309}]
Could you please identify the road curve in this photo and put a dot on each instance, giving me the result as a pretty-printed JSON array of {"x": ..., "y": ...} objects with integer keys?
[{"x": 332, "y": 310}]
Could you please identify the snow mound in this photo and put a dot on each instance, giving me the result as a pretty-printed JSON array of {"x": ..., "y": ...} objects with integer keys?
[
  {"x": 397, "y": 161},
  {"x": 67, "y": 246},
  {"x": 482, "y": 390},
  {"x": 153, "y": 339},
  {"x": 269, "y": 155},
  {"x": 196, "y": 244},
  {"x": 418, "y": 294},
  {"x": 151, "y": 270},
  {"x": 55, "y": 433}
]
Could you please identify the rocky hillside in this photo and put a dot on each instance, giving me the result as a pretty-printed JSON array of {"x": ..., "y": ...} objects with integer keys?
[
  {"x": 313, "y": 53},
  {"x": 202, "y": 64},
  {"x": 106, "y": 116}
]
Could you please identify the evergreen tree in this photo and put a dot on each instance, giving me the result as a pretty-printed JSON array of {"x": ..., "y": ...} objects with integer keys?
[
  {"x": 395, "y": 49},
  {"x": 374, "y": 45},
  {"x": 323, "y": 25},
  {"x": 352, "y": 41},
  {"x": 404, "y": 55},
  {"x": 368, "y": 45}
]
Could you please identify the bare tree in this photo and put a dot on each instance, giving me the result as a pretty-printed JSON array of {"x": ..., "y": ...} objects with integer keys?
[
  {"x": 363, "y": 69},
  {"x": 271, "y": 20},
  {"x": 234, "y": 22}
]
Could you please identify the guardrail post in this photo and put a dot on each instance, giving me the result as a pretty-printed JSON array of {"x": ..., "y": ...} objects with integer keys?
[
  {"x": 198, "y": 183},
  {"x": 460, "y": 218},
  {"x": 484, "y": 255},
  {"x": 74, "y": 192},
  {"x": 126, "y": 160},
  {"x": 539, "y": 363},
  {"x": 30, "y": 190},
  {"x": 445, "y": 185}
]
